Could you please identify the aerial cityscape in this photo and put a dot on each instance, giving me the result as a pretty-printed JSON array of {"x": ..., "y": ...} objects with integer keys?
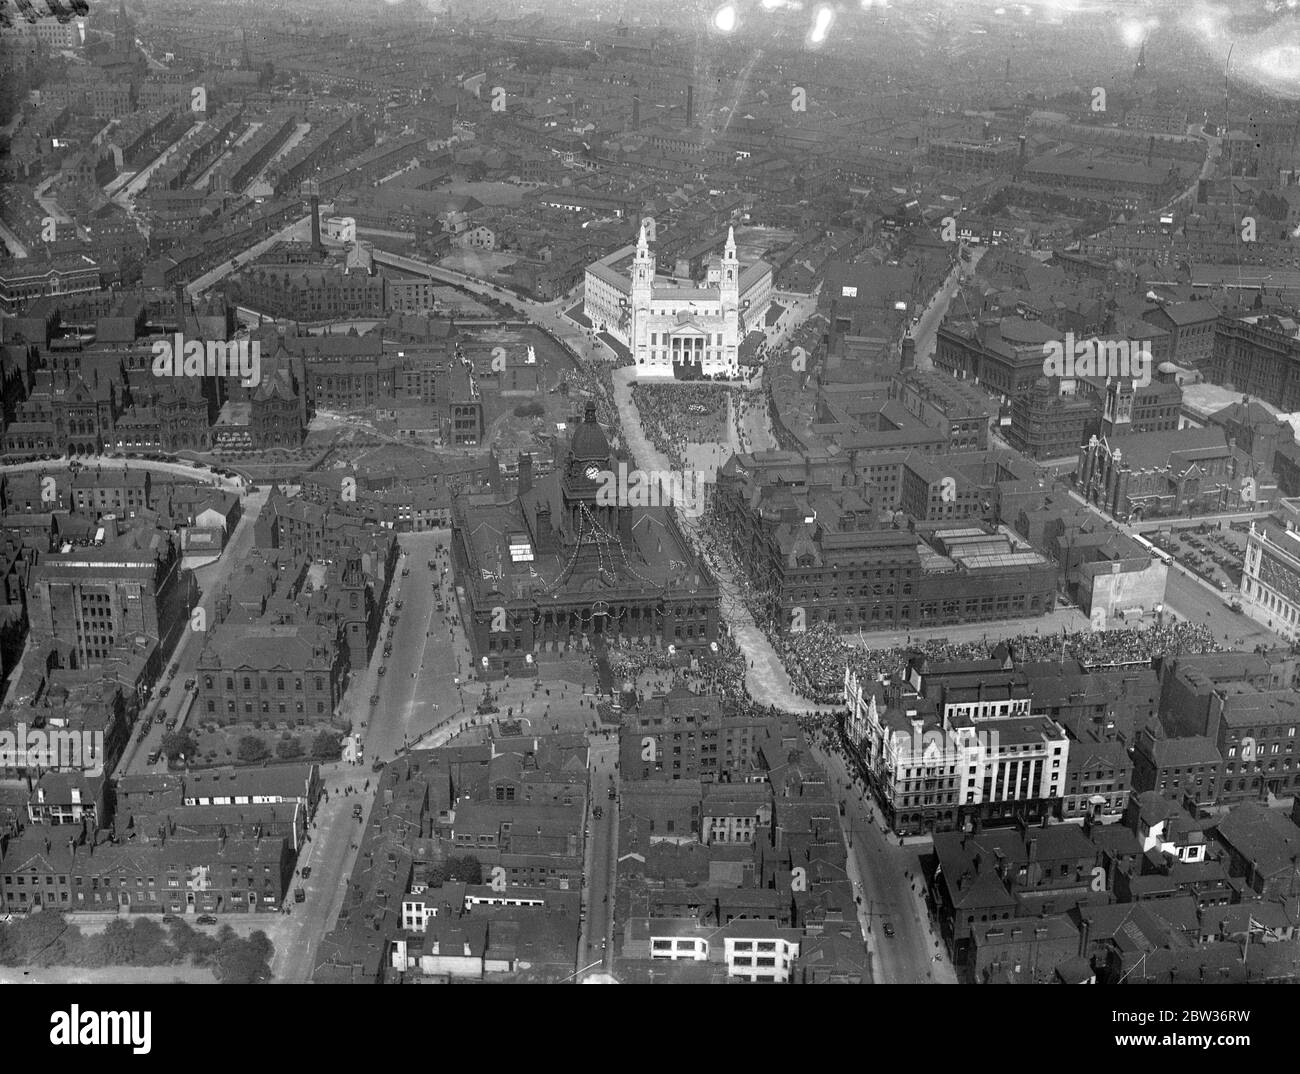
[{"x": 744, "y": 491}]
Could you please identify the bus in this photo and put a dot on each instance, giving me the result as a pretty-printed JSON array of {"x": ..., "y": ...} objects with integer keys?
[{"x": 1156, "y": 553}]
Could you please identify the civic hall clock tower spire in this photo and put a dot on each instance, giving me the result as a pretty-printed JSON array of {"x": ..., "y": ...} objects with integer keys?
[{"x": 643, "y": 285}]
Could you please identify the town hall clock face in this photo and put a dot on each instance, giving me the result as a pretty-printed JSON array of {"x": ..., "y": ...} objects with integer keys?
[{"x": 593, "y": 472}]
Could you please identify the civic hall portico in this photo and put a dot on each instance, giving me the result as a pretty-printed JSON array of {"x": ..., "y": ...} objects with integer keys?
[{"x": 675, "y": 328}]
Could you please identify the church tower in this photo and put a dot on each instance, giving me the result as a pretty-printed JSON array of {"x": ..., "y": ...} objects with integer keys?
[
  {"x": 643, "y": 285},
  {"x": 729, "y": 294},
  {"x": 354, "y": 609}
]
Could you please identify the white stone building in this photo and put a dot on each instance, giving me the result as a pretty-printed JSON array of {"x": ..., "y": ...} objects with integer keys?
[{"x": 666, "y": 323}]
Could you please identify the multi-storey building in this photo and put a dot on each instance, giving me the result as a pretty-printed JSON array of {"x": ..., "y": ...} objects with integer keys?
[
  {"x": 1191, "y": 330},
  {"x": 813, "y": 550},
  {"x": 958, "y": 408},
  {"x": 569, "y": 561},
  {"x": 681, "y": 735},
  {"x": 673, "y": 328},
  {"x": 1270, "y": 580},
  {"x": 1258, "y": 354},
  {"x": 92, "y": 597},
  {"x": 967, "y": 751},
  {"x": 174, "y": 876},
  {"x": 262, "y": 671}
]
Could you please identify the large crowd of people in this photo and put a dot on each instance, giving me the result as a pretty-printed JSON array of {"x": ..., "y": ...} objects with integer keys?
[
  {"x": 674, "y": 416},
  {"x": 655, "y": 670},
  {"x": 594, "y": 377},
  {"x": 816, "y": 659}
]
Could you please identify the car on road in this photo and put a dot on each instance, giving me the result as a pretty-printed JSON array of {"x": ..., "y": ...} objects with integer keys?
[
  {"x": 383, "y": 670},
  {"x": 374, "y": 699},
  {"x": 613, "y": 794},
  {"x": 173, "y": 669},
  {"x": 356, "y": 812},
  {"x": 378, "y": 766},
  {"x": 597, "y": 812},
  {"x": 189, "y": 684},
  {"x": 164, "y": 691},
  {"x": 406, "y": 572},
  {"x": 299, "y": 895},
  {"x": 153, "y": 757},
  {"x": 169, "y": 723},
  {"x": 889, "y": 929},
  {"x": 205, "y": 919},
  {"x": 306, "y": 872},
  {"x": 398, "y": 606}
]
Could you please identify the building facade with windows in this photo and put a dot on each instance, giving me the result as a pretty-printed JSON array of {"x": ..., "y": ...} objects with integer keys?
[{"x": 675, "y": 328}]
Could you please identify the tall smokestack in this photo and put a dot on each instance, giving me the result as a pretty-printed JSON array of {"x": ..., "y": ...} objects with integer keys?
[
  {"x": 690, "y": 105},
  {"x": 315, "y": 222},
  {"x": 636, "y": 112}
]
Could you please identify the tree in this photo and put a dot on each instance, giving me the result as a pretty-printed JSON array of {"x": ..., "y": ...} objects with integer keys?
[
  {"x": 119, "y": 943},
  {"x": 150, "y": 942},
  {"x": 252, "y": 749},
  {"x": 177, "y": 744},
  {"x": 325, "y": 746},
  {"x": 288, "y": 748},
  {"x": 240, "y": 961},
  {"x": 465, "y": 868}
]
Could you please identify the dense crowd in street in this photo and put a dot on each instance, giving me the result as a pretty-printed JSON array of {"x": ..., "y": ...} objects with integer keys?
[
  {"x": 674, "y": 416},
  {"x": 595, "y": 378},
  {"x": 719, "y": 672},
  {"x": 816, "y": 658}
]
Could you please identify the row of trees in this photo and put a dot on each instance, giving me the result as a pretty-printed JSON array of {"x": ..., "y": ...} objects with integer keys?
[
  {"x": 49, "y": 939},
  {"x": 251, "y": 749}
]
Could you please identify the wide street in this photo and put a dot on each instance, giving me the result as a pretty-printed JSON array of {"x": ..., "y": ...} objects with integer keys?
[
  {"x": 602, "y": 856},
  {"x": 885, "y": 877},
  {"x": 766, "y": 679},
  {"x": 925, "y": 332},
  {"x": 1193, "y": 598}
]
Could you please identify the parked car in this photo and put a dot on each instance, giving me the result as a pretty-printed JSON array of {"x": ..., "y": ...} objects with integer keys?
[
  {"x": 306, "y": 872},
  {"x": 299, "y": 895},
  {"x": 374, "y": 699},
  {"x": 189, "y": 684},
  {"x": 406, "y": 572},
  {"x": 169, "y": 723},
  {"x": 889, "y": 929},
  {"x": 153, "y": 757},
  {"x": 383, "y": 669},
  {"x": 164, "y": 691},
  {"x": 205, "y": 919}
]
